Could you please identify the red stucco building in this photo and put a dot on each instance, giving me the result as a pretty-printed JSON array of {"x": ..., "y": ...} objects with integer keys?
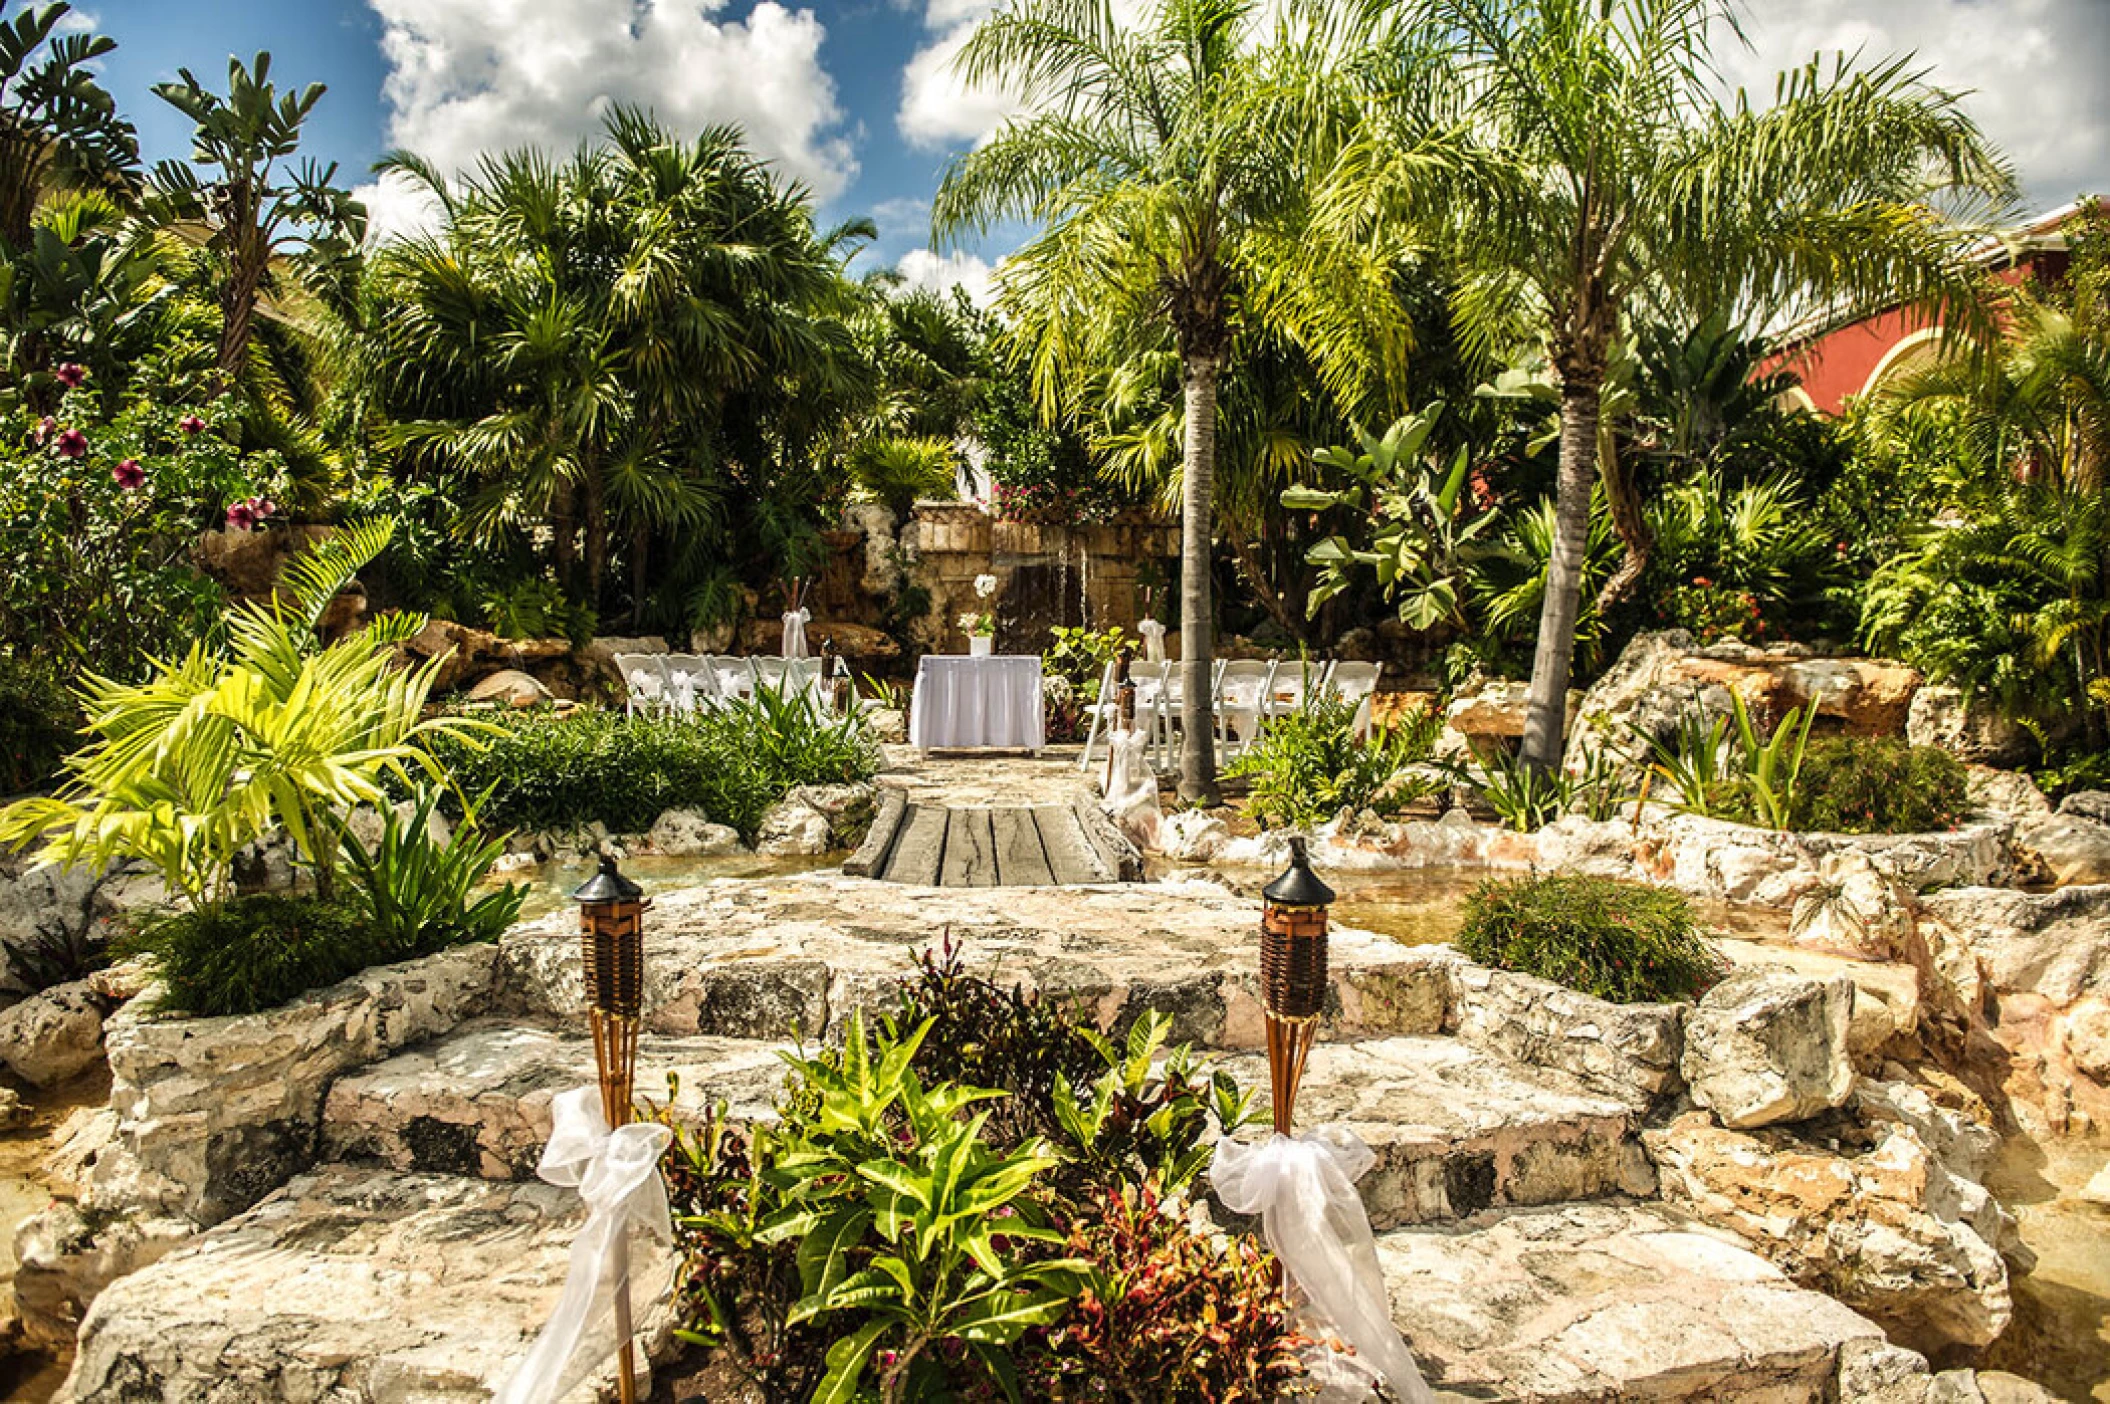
[{"x": 1848, "y": 361}]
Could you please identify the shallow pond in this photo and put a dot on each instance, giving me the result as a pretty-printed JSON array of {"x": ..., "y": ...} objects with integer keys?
[
  {"x": 25, "y": 1189},
  {"x": 2061, "y": 1334},
  {"x": 550, "y": 885}
]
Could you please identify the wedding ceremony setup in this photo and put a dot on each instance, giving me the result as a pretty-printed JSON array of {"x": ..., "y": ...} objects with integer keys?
[{"x": 1054, "y": 702}]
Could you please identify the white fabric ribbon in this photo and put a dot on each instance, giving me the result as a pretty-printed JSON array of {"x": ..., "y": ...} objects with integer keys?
[
  {"x": 1153, "y": 640},
  {"x": 1132, "y": 786},
  {"x": 617, "y": 1174},
  {"x": 795, "y": 632},
  {"x": 684, "y": 690},
  {"x": 1303, "y": 1188}
]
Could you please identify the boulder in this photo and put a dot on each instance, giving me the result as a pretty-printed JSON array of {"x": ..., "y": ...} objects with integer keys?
[
  {"x": 597, "y": 659},
  {"x": 471, "y": 653},
  {"x": 1868, "y": 696},
  {"x": 2053, "y": 944},
  {"x": 53, "y": 1035},
  {"x": 2085, "y": 1030},
  {"x": 1865, "y": 1223},
  {"x": 2087, "y": 804},
  {"x": 1192, "y": 836},
  {"x": 65, "y": 1256},
  {"x": 1490, "y": 712},
  {"x": 13, "y": 1111},
  {"x": 2097, "y": 1190},
  {"x": 1627, "y": 1051},
  {"x": 1974, "y": 732},
  {"x": 689, "y": 833},
  {"x": 1765, "y": 1047},
  {"x": 216, "y": 1113},
  {"x": 2069, "y": 850},
  {"x": 887, "y": 725},
  {"x": 862, "y": 646},
  {"x": 792, "y": 828},
  {"x": 1855, "y": 909},
  {"x": 511, "y": 687}
]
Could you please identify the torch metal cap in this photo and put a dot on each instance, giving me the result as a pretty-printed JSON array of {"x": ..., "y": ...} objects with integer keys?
[
  {"x": 607, "y": 885},
  {"x": 1298, "y": 886}
]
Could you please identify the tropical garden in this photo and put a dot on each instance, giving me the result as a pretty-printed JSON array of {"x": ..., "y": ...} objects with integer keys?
[{"x": 1458, "y": 325}]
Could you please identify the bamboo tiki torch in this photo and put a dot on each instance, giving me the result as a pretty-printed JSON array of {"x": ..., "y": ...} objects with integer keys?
[
  {"x": 612, "y": 938},
  {"x": 1292, "y": 974}
]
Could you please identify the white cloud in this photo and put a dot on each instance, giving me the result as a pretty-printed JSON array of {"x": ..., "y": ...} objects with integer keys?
[
  {"x": 923, "y": 268},
  {"x": 937, "y": 108},
  {"x": 466, "y": 77},
  {"x": 397, "y": 208},
  {"x": 2034, "y": 68}
]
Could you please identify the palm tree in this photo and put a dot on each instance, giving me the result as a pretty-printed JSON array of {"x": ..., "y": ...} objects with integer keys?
[
  {"x": 609, "y": 344},
  {"x": 256, "y": 210},
  {"x": 1589, "y": 171},
  {"x": 1168, "y": 162},
  {"x": 58, "y": 127}
]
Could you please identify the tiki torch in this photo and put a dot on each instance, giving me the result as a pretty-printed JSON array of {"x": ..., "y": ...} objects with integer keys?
[
  {"x": 612, "y": 941},
  {"x": 1292, "y": 974}
]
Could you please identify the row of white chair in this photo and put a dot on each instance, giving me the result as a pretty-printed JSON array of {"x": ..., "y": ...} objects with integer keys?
[
  {"x": 1247, "y": 695},
  {"x": 686, "y": 682}
]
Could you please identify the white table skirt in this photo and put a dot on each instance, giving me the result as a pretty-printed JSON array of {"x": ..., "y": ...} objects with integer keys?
[{"x": 992, "y": 701}]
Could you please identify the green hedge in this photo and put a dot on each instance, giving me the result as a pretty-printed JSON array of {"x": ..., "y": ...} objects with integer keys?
[
  {"x": 559, "y": 772},
  {"x": 1850, "y": 785},
  {"x": 1617, "y": 940}
]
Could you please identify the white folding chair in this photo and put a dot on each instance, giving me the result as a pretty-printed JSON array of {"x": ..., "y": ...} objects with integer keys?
[
  {"x": 1295, "y": 685},
  {"x": 689, "y": 683},
  {"x": 1243, "y": 689},
  {"x": 1355, "y": 684},
  {"x": 644, "y": 681},
  {"x": 733, "y": 677}
]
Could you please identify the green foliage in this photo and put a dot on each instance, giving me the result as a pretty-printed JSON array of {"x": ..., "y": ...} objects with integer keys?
[
  {"x": 1527, "y": 797},
  {"x": 420, "y": 894},
  {"x": 1858, "y": 785},
  {"x": 898, "y": 471},
  {"x": 247, "y": 954},
  {"x": 543, "y": 771},
  {"x": 1308, "y": 766},
  {"x": 1729, "y": 768},
  {"x": 1079, "y": 656},
  {"x": 1509, "y": 580},
  {"x": 37, "y": 722},
  {"x": 64, "y": 128},
  {"x": 1423, "y": 527},
  {"x": 1616, "y": 940},
  {"x": 1740, "y": 561},
  {"x": 943, "y": 1198}
]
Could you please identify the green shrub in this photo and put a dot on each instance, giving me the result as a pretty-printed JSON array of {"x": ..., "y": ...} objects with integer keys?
[
  {"x": 252, "y": 953},
  {"x": 1855, "y": 785},
  {"x": 1308, "y": 766},
  {"x": 37, "y": 721},
  {"x": 558, "y": 772},
  {"x": 1616, "y": 940},
  {"x": 420, "y": 895}
]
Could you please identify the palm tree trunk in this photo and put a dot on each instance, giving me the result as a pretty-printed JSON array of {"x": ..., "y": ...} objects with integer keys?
[
  {"x": 1197, "y": 612},
  {"x": 1628, "y": 520},
  {"x": 245, "y": 281},
  {"x": 596, "y": 535},
  {"x": 1546, "y": 707}
]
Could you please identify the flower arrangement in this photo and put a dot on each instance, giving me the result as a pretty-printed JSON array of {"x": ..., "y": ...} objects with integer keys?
[{"x": 981, "y": 624}]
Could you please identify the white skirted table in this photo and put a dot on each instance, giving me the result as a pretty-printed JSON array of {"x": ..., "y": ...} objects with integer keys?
[{"x": 992, "y": 702}]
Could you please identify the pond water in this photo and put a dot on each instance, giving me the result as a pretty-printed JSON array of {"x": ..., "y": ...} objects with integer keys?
[
  {"x": 2061, "y": 1334},
  {"x": 550, "y": 885},
  {"x": 25, "y": 1189}
]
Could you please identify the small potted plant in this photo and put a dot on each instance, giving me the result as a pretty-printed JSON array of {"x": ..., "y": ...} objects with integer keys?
[{"x": 981, "y": 624}]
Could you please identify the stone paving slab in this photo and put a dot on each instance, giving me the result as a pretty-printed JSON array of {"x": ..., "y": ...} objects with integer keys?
[
  {"x": 770, "y": 958},
  {"x": 1583, "y": 1303},
  {"x": 477, "y": 1102},
  {"x": 350, "y": 1285},
  {"x": 1456, "y": 1130}
]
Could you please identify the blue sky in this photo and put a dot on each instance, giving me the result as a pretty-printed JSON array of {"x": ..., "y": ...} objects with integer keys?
[{"x": 853, "y": 96}]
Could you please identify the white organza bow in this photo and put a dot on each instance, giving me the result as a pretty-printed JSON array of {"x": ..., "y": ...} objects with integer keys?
[
  {"x": 1303, "y": 1188},
  {"x": 617, "y": 1174},
  {"x": 1153, "y": 640},
  {"x": 795, "y": 632}
]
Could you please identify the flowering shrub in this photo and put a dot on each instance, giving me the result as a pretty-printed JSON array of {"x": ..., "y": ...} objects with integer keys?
[
  {"x": 1053, "y": 504},
  {"x": 1713, "y": 611},
  {"x": 98, "y": 517}
]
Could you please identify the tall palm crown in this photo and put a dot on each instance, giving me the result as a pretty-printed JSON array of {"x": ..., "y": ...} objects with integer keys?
[
  {"x": 1590, "y": 168},
  {"x": 58, "y": 126},
  {"x": 1168, "y": 163},
  {"x": 609, "y": 342}
]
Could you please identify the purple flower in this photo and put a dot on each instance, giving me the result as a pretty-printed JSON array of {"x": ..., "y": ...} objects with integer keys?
[
  {"x": 74, "y": 444},
  {"x": 71, "y": 374},
  {"x": 241, "y": 517},
  {"x": 130, "y": 476},
  {"x": 190, "y": 424}
]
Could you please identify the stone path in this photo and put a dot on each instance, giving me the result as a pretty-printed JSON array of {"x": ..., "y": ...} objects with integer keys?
[{"x": 1526, "y": 1256}]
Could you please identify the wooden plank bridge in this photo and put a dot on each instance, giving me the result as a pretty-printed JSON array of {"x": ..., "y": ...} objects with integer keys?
[{"x": 994, "y": 846}]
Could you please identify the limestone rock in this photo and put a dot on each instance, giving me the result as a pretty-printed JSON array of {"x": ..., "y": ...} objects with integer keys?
[
  {"x": 53, "y": 1035},
  {"x": 1581, "y": 1303},
  {"x": 861, "y": 646},
  {"x": 2054, "y": 944},
  {"x": 2097, "y": 1190},
  {"x": 1974, "y": 732},
  {"x": 1877, "y": 1228},
  {"x": 1627, "y": 1051},
  {"x": 215, "y": 1113},
  {"x": 2086, "y": 1033},
  {"x": 816, "y": 819},
  {"x": 1870, "y": 696},
  {"x": 2087, "y": 804},
  {"x": 689, "y": 833},
  {"x": 887, "y": 725},
  {"x": 1192, "y": 836},
  {"x": 511, "y": 687},
  {"x": 13, "y": 1112},
  {"x": 64, "y": 1258},
  {"x": 2072, "y": 850},
  {"x": 598, "y": 657},
  {"x": 123, "y": 980},
  {"x": 1764, "y": 1047},
  {"x": 1855, "y": 909},
  {"x": 2006, "y": 794},
  {"x": 350, "y": 1285}
]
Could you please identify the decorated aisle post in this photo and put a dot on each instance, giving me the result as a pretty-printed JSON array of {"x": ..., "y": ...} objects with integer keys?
[
  {"x": 612, "y": 937},
  {"x": 1292, "y": 974}
]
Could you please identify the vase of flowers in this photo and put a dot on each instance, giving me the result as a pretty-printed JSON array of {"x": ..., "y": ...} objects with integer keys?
[{"x": 981, "y": 624}]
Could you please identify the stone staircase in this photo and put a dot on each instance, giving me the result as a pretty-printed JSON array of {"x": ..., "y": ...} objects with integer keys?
[{"x": 1526, "y": 1258}]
